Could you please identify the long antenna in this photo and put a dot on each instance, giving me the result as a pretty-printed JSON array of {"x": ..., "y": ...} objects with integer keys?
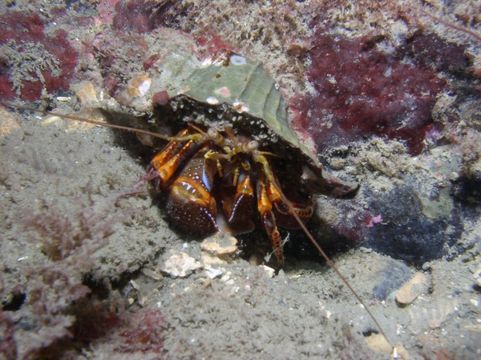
[
  {"x": 94, "y": 122},
  {"x": 329, "y": 262}
]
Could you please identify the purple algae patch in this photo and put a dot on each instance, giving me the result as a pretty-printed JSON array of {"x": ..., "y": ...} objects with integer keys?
[
  {"x": 360, "y": 91},
  {"x": 430, "y": 50}
]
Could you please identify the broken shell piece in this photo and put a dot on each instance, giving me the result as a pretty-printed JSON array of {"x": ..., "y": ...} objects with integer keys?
[
  {"x": 211, "y": 260},
  {"x": 212, "y": 272},
  {"x": 416, "y": 286},
  {"x": 179, "y": 264},
  {"x": 269, "y": 271},
  {"x": 139, "y": 85},
  {"x": 221, "y": 245}
]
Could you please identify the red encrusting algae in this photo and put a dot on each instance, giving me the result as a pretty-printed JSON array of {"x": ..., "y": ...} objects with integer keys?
[
  {"x": 361, "y": 91},
  {"x": 22, "y": 30}
]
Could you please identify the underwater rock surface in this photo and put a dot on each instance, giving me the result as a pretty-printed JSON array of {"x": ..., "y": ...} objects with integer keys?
[{"x": 388, "y": 92}]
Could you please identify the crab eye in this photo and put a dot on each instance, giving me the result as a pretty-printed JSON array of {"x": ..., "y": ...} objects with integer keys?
[
  {"x": 213, "y": 133},
  {"x": 252, "y": 145}
]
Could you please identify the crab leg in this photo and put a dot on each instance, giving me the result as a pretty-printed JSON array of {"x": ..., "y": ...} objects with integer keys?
[
  {"x": 238, "y": 206},
  {"x": 271, "y": 200},
  {"x": 176, "y": 152},
  {"x": 268, "y": 219}
]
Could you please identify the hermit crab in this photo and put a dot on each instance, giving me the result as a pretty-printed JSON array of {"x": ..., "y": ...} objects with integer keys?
[
  {"x": 234, "y": 155},
  {"x": 233, "y": 162}
]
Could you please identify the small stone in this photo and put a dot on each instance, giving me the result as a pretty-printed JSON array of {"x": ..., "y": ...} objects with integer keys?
[
  {"x": 416, "y": 286},
  {"x": 179, "y": 264},
  {"x": 400, "y": 352},
  {"x": 221, "y": 245},
  {"x": 152, "y": 274},
  {"x": 378, "y": 343},
  {"x": 139, "y": 85},
  {"x": 269, "y": 271},
  {"x": 212, "y": 272},
  {"x": 211, "y": 260},
  {"x": 337, "y": 164},
  {"x": 255, "y": 260},
  {"x": 86, "y": 93}
]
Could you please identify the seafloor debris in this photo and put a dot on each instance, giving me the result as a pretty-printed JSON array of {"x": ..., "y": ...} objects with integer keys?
[
  {"x": 180, "y": 264},
  {"x": 221, "y": 245},
  {"x": 416, "y": 286}
]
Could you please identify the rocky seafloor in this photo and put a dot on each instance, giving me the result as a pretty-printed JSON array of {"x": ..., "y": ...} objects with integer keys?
[{"x": 388, "y": 95}]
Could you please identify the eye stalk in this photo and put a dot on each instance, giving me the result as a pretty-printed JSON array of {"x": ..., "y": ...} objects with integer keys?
[{"x": 252, "y": 145}]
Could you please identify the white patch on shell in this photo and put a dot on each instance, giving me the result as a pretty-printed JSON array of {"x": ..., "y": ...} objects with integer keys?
[
  {"x": 206, "y": 63},
  {"x": 237, "y": 60},
  {"x": 240, "y": 107},
  {"x": 212, "y": 100},
  {"x": 224, "y": 91}
]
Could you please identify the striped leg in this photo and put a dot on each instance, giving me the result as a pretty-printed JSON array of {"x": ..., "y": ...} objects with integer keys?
[
  {"x": 165, "y": 163},
  {"x": 264, "y": 206}
]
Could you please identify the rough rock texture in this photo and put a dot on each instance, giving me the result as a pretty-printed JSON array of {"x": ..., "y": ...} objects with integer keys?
[{"x": 82, "y": 257}]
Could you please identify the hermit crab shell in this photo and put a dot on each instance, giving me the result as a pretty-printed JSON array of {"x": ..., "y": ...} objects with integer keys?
[
  {"x": 246, "y": 96},
  {"x": 233, "y": 91},
  {"x": 239, "y": 92}
]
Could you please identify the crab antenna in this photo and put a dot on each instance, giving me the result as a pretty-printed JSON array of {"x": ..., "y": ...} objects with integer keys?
[
  {"x": 329, "y": 262},
  {"x": 89, "y": 121}
]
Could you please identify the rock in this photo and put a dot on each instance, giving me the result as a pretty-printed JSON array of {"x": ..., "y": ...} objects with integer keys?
[
  {"x": 400, "y": 352},
  {"x": 211, "y": 260},
  {"x": 414, "y": 219},
  {"x": 86, "y": 93},
  {"x": 416, "y": 286},
  {"x": 221, "y": 245},
  {"x": 180, "y": 264},
  {"x": 391, "y": 277},
  {"x": 378, "y": 343},
  {"x": 477, "y": 276},
  {"x": 269, "y": 271},
  {"x": 212, "y": 272},
  {"x": 152, "y": 274}
]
